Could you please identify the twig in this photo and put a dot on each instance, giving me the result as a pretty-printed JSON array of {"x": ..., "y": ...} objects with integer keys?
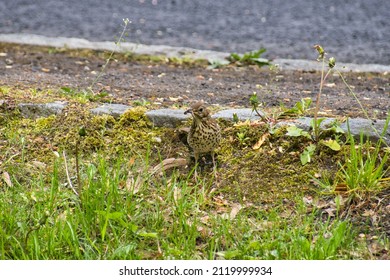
[{"x": 67, "y": 174}]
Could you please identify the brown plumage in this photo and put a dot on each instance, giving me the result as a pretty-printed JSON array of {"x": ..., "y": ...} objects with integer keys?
[{"x": 205, "y": 133}]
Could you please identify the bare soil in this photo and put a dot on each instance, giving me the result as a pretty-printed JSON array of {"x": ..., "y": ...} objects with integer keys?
[{"x": 165, "y": 83}]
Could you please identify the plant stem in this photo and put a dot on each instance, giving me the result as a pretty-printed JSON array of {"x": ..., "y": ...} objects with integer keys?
[
  {"x": 117, "y": 43},
  {"x": 264, "y": 118},
  {"x": 323, "y": 78},
  {"x": 360, "y": 105},
  {"x": 77, "y": 167}
]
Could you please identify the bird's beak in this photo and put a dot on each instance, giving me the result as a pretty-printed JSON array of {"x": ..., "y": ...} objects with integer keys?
[{"x": 188, "y": 111}]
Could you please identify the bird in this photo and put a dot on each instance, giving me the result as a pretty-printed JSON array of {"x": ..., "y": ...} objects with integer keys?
[{"x": 205, "y": 134}]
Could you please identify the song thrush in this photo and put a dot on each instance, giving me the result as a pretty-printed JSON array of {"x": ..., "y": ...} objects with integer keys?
[{"x": 205, "y": 133}]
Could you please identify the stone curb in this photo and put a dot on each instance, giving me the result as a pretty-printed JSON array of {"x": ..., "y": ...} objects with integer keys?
[
  {"x": 168, "y": 51},
  {"x": 34, "y": 110},
  {"x": 115, "y": 110},
  {"x": 172, "y": 118}
]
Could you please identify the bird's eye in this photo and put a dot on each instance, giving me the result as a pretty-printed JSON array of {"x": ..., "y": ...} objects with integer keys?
[{"x": 200, "y": 109}]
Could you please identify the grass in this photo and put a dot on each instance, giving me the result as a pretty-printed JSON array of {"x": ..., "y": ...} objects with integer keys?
[
  {"x": 123, "y": 211},
  {"x": 365, "y": 167},
  {"x": 168, "y": 217}
]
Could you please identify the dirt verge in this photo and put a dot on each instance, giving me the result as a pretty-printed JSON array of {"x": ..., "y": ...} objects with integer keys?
[{"x": 179, "y": 82}]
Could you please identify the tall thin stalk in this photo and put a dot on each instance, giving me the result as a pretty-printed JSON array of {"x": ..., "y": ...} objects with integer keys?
[
  {"x": 126, "y": 22},
  {"x": 321, "y": 57}
]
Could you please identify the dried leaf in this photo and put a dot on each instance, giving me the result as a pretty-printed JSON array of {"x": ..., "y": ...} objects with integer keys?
[
  {"x": 168, "y": 164},
  {"x": 132, "y": 185},
  {"x": 233, "y": 212},
  {"x": 220, "y": 200},
  {"x": 260, "y": 141},
  {"x": 330, "y": 211},
  {"x": 235, "y": 209},
  {"x": 308, "y": 200},
  {"x": 368, "y": 213},
  {"x": 131, "y": 161},
  {"x": 7, "y": 179},
  {"x": 205, "y": 219},
  {"x": 175, "y": 99}
]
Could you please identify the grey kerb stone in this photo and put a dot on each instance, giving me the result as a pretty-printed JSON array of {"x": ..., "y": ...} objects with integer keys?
[
  {"x": 115, "y": 110},
  {"x": 167, "y": 117},
  {"x": 33, "y": 110},
  {"x": 173, "y": 118},
  {"x": 242, "y": 114}
]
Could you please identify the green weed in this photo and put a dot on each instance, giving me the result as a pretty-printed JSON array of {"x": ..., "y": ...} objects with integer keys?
[
  {"x": 365, "y": 166},
  {"x": 250, "y": 58}
]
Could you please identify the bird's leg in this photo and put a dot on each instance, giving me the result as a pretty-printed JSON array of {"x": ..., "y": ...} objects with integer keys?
[{"x": 196, "y": 155}]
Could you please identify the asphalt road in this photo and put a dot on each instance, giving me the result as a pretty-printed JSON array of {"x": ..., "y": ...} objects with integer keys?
[{"x": 355, "y": 31}]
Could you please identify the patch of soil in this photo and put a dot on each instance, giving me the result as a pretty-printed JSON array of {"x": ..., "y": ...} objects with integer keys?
[{"x": 167, "y": 83}]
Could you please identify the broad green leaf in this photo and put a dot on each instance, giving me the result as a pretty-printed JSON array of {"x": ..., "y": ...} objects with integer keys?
[
  {"x": 305, "y": 157},
  {"x": 307, "y": 154},
  {"x": 294, "y": 131},
  {"x": 332, "y": 144},
  {"x": 261, "y": 61},
  {"x": 338, "y": 129},
  {"x": 254, "y": 101}
]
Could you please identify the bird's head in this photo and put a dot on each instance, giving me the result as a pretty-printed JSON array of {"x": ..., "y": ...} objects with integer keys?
[{"x": 198, "y": 111}]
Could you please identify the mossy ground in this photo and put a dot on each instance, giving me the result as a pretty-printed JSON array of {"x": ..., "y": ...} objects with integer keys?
[
  {"x": 274, "y": 167},
  {"x": 269, "y": 182},
  {"x": 266, "y": 174},
  {"x": 270, "y": 176}
]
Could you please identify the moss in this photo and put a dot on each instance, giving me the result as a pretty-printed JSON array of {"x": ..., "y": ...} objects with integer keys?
[
  {"x": 135, "y": 116},
  {"x": 42, "y": 124},
  {"x": 5, "y": 89},
  {"x": 14, "y": 94},
  {"x": 268, "y": 174}
]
